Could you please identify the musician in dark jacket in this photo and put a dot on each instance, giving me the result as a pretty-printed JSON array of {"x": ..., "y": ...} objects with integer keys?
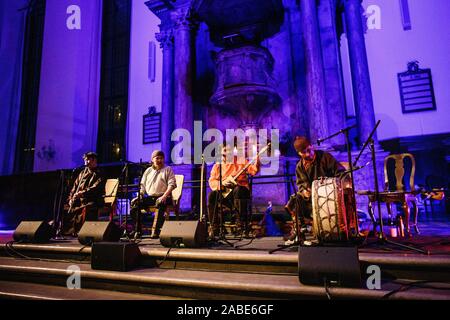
[
  {"x": 312, "y": 165},
  {"x": 86, "y": 196}
]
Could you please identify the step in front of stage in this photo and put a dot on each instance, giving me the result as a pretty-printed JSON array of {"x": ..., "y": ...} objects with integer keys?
[
  {"x": 151, "y": 283},
  {"x": 215, "y": 272}
]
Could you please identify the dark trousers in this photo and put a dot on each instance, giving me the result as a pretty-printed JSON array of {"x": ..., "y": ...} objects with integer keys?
[
  {"x": 238, "y": 199},
  {"x": 74, "y": 220},
  {"x": 301, "y": 208},
  {"x": 144, "y": 204}
]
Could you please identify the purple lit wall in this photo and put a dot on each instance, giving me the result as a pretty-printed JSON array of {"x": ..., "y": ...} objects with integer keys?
[
  {"x": 142, "y": 92},
  {"x": 69, "y": 88},
  {"x": 391, "y": 48},
  {"x": 12, "y": 29}
]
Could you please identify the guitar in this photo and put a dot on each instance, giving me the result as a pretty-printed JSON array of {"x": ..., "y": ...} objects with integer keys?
[{"x": 231, "y": 180}]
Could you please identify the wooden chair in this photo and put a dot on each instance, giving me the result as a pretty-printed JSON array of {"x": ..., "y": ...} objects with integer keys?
[
  {"x": 176, "y": 197},
  {"x": 110, "y": 207},
  {"x": 396, "y": 190}
]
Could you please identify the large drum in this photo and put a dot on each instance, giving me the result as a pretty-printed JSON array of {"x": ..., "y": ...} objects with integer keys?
[{"x": 329, "y": 210}]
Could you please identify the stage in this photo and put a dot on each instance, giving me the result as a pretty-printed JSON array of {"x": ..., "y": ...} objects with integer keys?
[{"x": 240, "y": 269}]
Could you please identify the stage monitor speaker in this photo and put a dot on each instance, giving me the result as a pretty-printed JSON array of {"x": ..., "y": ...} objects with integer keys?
[
  {"x": 33, "y": 231},
  {"x": 115, "y": 256},
  {"x": 189, "y": 234},
  {"x": 338, "y": 266},
  {"x": 96, "y": 231}
]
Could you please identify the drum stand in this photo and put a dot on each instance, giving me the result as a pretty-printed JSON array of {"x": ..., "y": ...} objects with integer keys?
[{"x": 381, "y": 236}]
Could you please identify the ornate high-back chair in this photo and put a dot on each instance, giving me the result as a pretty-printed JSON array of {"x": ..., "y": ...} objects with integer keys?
[{"x": 399, "y": 171}]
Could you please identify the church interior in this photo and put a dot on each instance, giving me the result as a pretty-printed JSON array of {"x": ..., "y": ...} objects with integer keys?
[{"x": 123, "y": 83}]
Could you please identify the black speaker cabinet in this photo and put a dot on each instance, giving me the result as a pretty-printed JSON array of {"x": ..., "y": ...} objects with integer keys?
[
  {"x": 115, "y": 256},
  {"x": 339, "y": 266},
  {"x": 33, "y": 231},
  {"x": 96, "y": 231},
  {"x": 190, "y": 234}
]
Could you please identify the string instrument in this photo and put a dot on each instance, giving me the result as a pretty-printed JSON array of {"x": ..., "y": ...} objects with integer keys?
[
  {"x": 232, "y": 179},
  {"x": 435, "y": 194}
]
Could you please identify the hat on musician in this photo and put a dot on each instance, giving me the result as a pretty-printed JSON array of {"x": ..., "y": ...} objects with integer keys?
[
  {"x": 157, "y": 153},
  {"x": 301, "y": 143},
  {"x": 90, "y": 154}
]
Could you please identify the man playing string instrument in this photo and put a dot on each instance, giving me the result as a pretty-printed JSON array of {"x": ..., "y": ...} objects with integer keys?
[
  {"x": 238, "y": 197},
  {"x": 86, "y": 196}
]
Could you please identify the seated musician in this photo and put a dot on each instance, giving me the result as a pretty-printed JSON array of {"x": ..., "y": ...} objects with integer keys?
[
  {"x": 156, "y": 187},
  {"x": 238, "y": 197},
  {"x": 312, "y": 165},
  {"x": 86, "y": 196}
]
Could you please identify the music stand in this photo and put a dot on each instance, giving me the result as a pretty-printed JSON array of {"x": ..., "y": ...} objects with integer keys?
[{"x": 381, "y": 236}]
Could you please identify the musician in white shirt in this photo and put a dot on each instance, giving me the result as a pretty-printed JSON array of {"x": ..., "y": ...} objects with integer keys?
[{"x": 156, "y": 187}]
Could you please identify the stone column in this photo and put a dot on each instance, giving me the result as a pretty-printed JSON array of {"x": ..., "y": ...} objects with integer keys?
[
  {"x": 184, "y": 73},
  {"x": 315, "y": 81},
  {"x": 332, "y": 70},
  {"x": 165, "y": 38},
  {"x": 362, "y": 91}
]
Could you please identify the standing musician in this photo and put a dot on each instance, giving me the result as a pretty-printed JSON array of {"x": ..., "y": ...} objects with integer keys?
[
  {"x": 238, "y": 197},
  {"x": 312, "y": 165},
  {"x": 157, "y": 184},
  {"x": 86, "y": 196}
]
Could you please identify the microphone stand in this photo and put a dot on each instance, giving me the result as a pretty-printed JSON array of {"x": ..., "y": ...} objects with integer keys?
[
  {"x": 58, "y": 207},
  {"x": 381, "y": 236},
  {"x": 219, "y": 215},
  {"x": 202, "y": 187},
  {"x": 124, "y": 176},
  {"x": 299, "y": 237},
  {"x": 345, "y": 131}
]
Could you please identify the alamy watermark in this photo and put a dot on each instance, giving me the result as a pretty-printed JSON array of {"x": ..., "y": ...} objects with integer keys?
[
  {"x": 373, "y": 15},
  {"x": 373, "y": 282},
  {"x": 240, "y": 144},
  {"x": 73, "y": 21},
  {"x": 74, "y": 279}
]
